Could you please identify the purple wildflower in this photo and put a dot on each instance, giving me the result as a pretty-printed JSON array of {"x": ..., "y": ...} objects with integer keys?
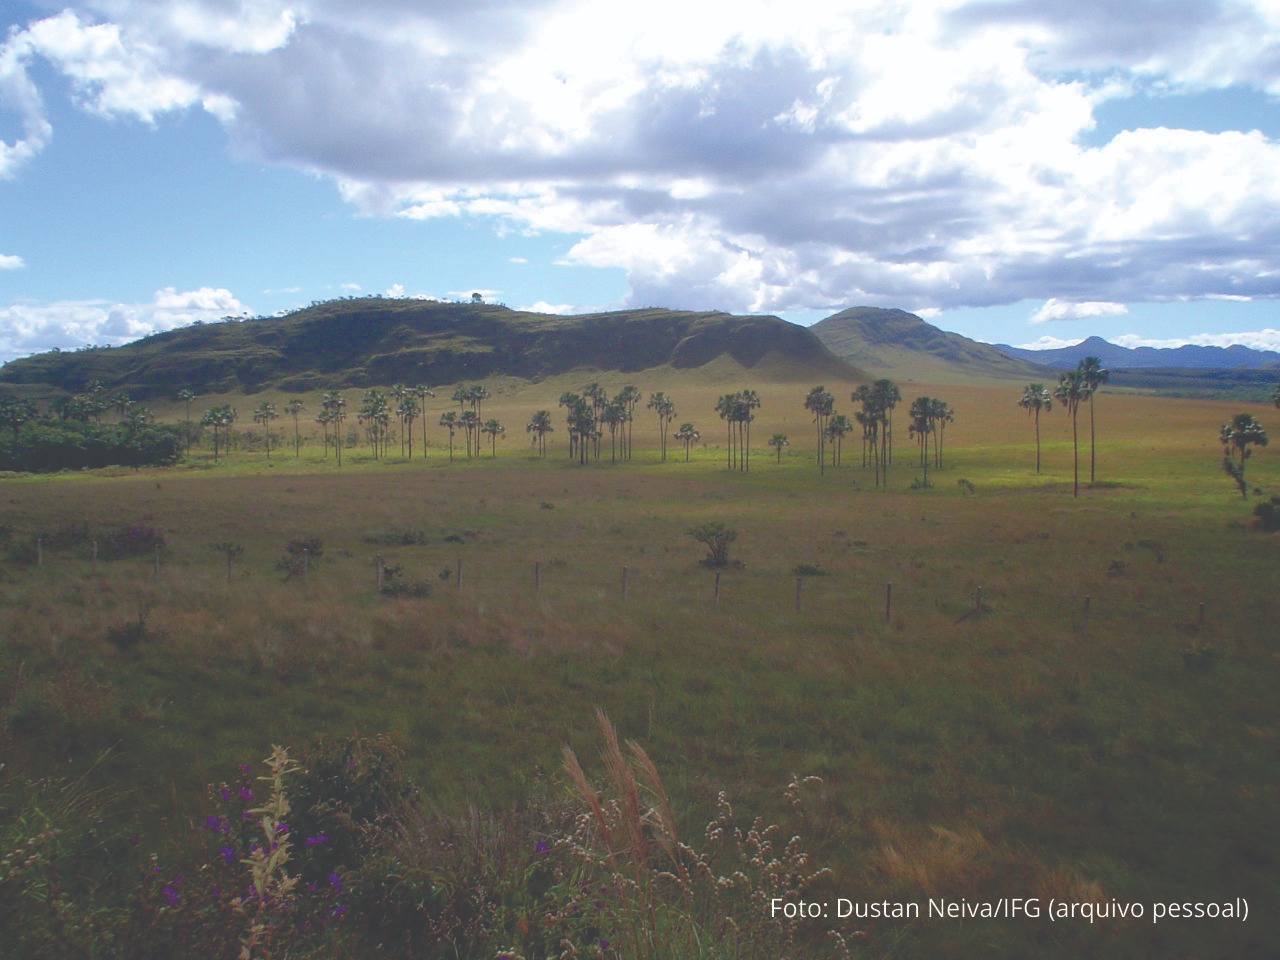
[
  {"x": 541, "y": 847},
  {"x": 227, "y": 854},
  {"x": 245, "y": 794},
  {"x": 171, "y": 894},
  {"x": 318, "y": 839},
  {"x": 335, "y": 881}
]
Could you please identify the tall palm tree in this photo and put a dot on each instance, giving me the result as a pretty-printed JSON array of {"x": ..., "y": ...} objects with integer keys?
[
  {"x": 1072, "y": 390},
  {"x": 407, "y": 410},
  {"x": 1036, "y": 398},
  {"x": 187, "y": 397},
  {"x": 1240, "y": 433},
  {"x": 333, "y": 403},
  {"x": 294, "y": 408},
  {"x": 449, "y": 420},
  {"x": 837, "y": 427},
  {"x": 821, "y": 404},
  {"x": 920, "y": 426},
  {"x": 264, "y": 413},
  {"x": 470, "y": 423},
  {"x": 628, "y": 397},
  {"x": 887, "y": 396},
  {"x": 540, "y": 425},
  {"x": 665, "y": 408},
  {"x": 1094, "y": 375},
  {"x": 422, "y": 391}
]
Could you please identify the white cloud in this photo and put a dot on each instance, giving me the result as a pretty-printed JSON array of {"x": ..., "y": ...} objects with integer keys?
[
  {"x": 11, "y": 262},
  {"x": 558, "y": 309},
  {"x": 1049, "y": 343},
  {"x": 747, "y": 156},
  {"x": 36, "y": 327},
  {"x": 1265, "y": 339},
  {"x": 1067, "y": 310}
]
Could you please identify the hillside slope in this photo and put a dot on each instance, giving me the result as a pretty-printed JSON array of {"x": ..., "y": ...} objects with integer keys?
[
  {"x": 376, "y": 342},
  {"x": 901, "y": 345}
]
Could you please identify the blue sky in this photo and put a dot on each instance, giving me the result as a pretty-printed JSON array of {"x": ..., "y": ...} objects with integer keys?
[{"x": 1009, "y": 171}]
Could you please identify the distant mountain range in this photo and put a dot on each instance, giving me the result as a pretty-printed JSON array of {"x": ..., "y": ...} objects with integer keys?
[{"x": 1115, "y": 357}]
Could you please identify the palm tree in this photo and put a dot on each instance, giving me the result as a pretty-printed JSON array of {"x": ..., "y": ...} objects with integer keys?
[
  {"x": 470, "y": 423},
  {"x": 628, "y": 397},
  {"x": 375, "y": 413},
  {"x": 665, "y": 408},
  {"x": 449, "y": 420},
  {"x": 821, "y": 404},
  {"x": 334, "y": 404},
  {"x": 687, "y": 435},
  {"x": 495, "y": 430},
  {"x": 570, "y": 402},
  {"x": 220, "y": 418},
  {"x": 1072, "y": 390},
  {"x": 294, "y": 408},
  {"x": 837, "y": 427},
  {"x": 1240, "y": 433},
  {"x": 941, "y": 414},
  {"x": 920, "y": 427},
  {"x": 1034, "y": 399},
  {"x": 422, "y": 391},
  {"x": 779, "y": 440},
  {"x": 187, "y": 397},
  {"x": 540, "y": 425},
  {"x": 264, "y": 413},
  {"x": 408, "y": 410},
  {"x": 614, "y": 416},
  {"x": 749, "y": 402},
  {"x": 1094, "y": 375},
  {"x": 886, "y": 395}
]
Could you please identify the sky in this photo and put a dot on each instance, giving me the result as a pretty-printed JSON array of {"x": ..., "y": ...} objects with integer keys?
[{"x": 1021, "y": 171}]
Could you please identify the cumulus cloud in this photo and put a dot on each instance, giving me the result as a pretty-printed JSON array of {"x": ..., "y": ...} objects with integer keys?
[
  {"x": 1066, "y": 310},
  {"x": 33, "y": 327},
  {"x": 9, "y": 261},
  {"x": 1265, "y": 339},
  {"x": 746, "y": 156}
]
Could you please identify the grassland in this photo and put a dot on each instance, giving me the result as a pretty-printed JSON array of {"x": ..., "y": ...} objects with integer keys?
[{"x": 1105, "y": 728}]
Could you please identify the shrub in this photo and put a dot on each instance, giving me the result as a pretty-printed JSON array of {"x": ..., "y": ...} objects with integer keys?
[
  {"x": 1268, "y": 513},
  {"x": 298, "y": 555},
  {"x": 395, "y": 585},
  {"x": 716, "y": 537}
]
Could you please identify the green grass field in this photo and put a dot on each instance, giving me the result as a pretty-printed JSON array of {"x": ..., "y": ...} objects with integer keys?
[{"x": 1068, "y": 698}]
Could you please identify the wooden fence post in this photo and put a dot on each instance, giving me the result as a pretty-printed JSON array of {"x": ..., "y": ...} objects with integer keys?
[
  {"x": 39, "y": 552},
  {"x": 95, "y": 554},
  {"x": 624, "y": 583},
  {"x": 156, "y": 571},
  {"x": 799, "y": 580},
  {"x": 537, "y": 576},
  {"x": 377, "y": 571},
  {"x": 888, "y": 603},
  {"x": 717, "y": 588},
  {"x": 458, "y": 583},
  {"x": 306, "y": 563}
]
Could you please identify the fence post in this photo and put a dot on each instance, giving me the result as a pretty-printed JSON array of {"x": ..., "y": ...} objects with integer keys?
[
  {"x": 1200, "y": 615},
  {"x": 537, "y": 576},
  {"x": 1087, "y": 601},
  {"x": 977, "y": 604},
  {"x": 39, "y": 552},
  {"x": 799, "y": 580},
  {"x": 156, "y": 571},
  {"x": 377, "y": 574},
  {"x": 95, "y": 554},
  {"x": 624, "y": 583},
  {"x": 717, "y": 588},
  {"x": 306, "y": 563},
  {"x": 458, "y": 583},
  {"x": 888, "y": 602}
]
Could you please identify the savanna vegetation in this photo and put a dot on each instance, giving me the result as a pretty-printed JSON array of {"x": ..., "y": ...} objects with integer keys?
[{"x": 237, "y": 732}]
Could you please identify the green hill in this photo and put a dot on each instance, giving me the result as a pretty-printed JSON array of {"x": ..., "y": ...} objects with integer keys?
[
  {"x": 897, "y": 344},
  {"x": 366, "y": 342}
]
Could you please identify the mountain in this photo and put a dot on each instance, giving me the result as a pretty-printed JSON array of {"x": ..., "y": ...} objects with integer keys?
[
  {"x": 1116, "y": 357},
  {"x": 374, "y": 341},
  {"x": 897, "y": 344}
]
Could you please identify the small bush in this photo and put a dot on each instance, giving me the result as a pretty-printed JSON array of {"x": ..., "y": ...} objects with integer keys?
[
  {"x": 395, "y": 585},
  {"x": 1268, "y": 513},
  {"x": 125, "y": 636},
  {"x": 717, "y": 538},
  {"x": 808, "y": 570},
  {"x": 299, "y": 555}
]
